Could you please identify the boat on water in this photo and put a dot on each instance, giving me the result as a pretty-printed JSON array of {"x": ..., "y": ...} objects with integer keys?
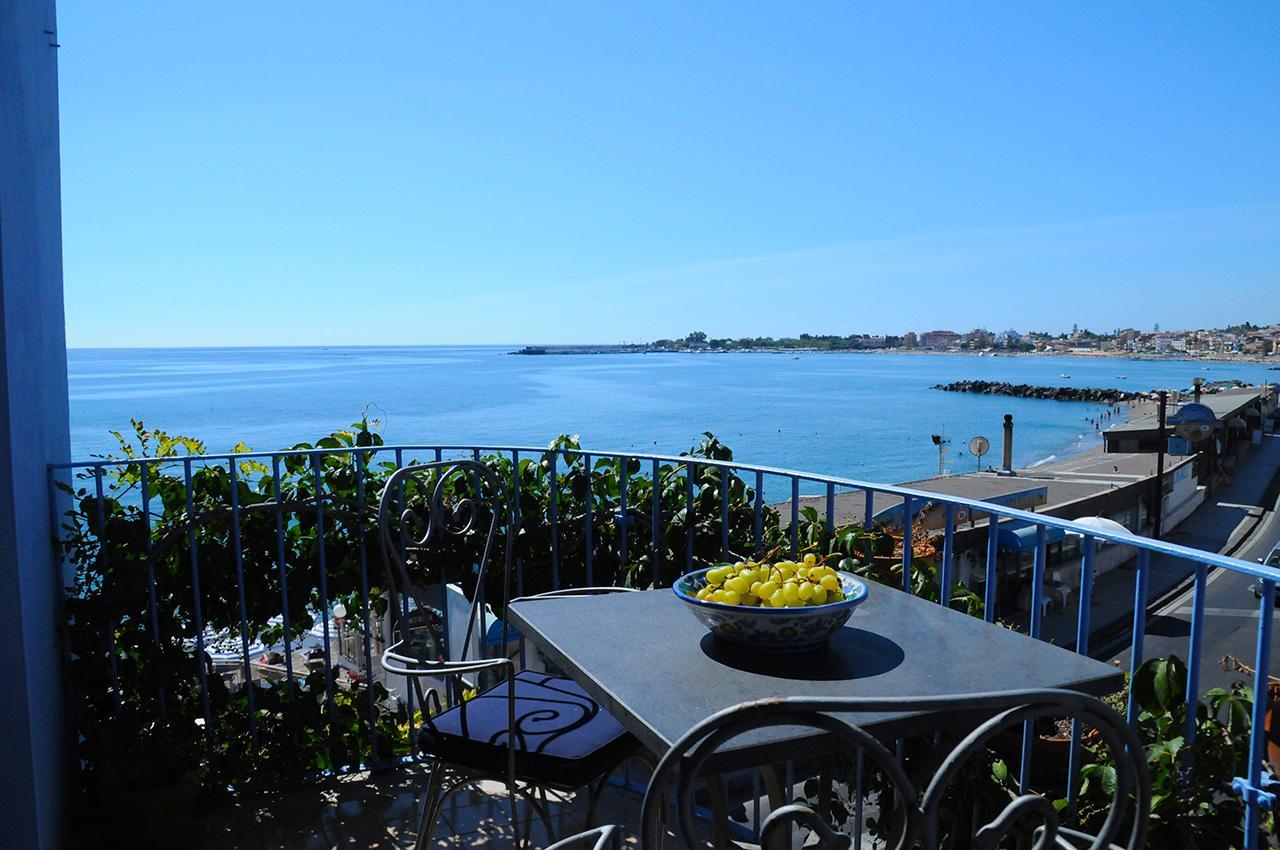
[
  {"x": 1122, "y": 377},
  {"x": 1064, "y": 375}
]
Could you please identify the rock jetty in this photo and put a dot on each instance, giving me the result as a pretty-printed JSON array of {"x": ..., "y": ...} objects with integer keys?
[{"x": 1091, "y": 394}]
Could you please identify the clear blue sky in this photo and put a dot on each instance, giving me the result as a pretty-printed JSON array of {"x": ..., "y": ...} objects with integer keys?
[{"x": 242, "y": 173}]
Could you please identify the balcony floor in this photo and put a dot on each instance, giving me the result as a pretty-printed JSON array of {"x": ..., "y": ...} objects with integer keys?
[{"x": 380, "y": 810}]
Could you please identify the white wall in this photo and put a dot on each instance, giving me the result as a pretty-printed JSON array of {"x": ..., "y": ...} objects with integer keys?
[{"x": 34, "y": 765}]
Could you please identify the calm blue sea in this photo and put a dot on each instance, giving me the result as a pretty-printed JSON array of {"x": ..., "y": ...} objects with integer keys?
[{"x": 868, "y": 416}]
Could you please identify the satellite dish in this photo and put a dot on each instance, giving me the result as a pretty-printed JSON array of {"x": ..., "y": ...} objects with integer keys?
[
  {"x": 1194, "y": 422},
  {"x": 979, "y": 446}
]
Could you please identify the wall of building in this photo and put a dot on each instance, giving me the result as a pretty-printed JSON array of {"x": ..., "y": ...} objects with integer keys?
[{"x": 33, "y": 428}]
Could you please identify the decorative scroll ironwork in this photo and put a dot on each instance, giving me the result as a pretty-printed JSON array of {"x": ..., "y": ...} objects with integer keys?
[
  {"x": 422, "y": 507},
  {"x": 916, "y": 809}
]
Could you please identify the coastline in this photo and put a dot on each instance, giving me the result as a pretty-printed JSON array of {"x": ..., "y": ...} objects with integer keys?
[
  {"x": 1072, "y": 451},
  {"x": 1273, "y": 361}
]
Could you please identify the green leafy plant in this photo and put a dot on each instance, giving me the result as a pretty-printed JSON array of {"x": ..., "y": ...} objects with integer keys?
[
  {"x": 1192, "y": 802},
  {"x": 167, "y": 549}
]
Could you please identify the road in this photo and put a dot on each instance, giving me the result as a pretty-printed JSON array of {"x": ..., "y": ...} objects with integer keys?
[{"x": 1231, "y": 609}]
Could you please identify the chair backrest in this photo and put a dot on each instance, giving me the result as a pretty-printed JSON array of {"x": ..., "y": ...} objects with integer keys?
[
  {"x": 912, "y": 813},
  {"x": 434, "y": 513}
]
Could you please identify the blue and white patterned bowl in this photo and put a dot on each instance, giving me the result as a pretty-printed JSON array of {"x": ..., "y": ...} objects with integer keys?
[{"x": 776, "y": 629}]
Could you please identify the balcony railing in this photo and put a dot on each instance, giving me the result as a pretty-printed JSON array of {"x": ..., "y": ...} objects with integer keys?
[{"x": 190, "y": 576}]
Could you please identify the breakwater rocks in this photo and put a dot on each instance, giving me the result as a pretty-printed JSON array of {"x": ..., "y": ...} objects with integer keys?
[{"x": 1099, "y": 396}]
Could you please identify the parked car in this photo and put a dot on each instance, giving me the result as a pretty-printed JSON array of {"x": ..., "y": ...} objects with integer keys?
[{"x": 1272, "y": 560}]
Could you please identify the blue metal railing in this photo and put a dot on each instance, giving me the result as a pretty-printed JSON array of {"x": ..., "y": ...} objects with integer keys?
[{"x": 1255, "y": 788}]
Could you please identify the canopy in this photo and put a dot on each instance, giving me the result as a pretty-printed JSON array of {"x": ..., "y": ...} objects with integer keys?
[
  {"x": 1100, "y": 522},
  {"x": 1021, "y": 537}
]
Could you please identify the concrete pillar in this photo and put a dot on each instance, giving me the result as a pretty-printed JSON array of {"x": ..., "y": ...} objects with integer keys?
[
  {"x": 34, "y": 762},
  {"x": 1006, "y": 462}
]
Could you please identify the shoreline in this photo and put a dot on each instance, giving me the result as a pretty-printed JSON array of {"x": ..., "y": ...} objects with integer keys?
[{"x": 582, "y": 350}]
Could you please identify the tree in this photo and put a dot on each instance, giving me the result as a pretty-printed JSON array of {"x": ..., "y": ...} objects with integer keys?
[{"x": 696, "y": 336}]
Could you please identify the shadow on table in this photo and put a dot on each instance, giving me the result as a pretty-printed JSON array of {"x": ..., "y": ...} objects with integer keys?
[{"x": 850, "y": 654}]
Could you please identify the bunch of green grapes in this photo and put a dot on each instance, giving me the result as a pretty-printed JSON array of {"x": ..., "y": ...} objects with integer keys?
[{"x": 786, "y": 584}]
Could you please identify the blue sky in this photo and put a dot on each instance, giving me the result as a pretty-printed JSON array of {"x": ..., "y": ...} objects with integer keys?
[{"x": 404, "y": 172}]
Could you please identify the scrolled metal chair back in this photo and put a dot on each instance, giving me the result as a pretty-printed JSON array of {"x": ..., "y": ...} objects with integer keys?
[
  {"x": 424, "y": 505},
  {"x": 916, "y": 809}
]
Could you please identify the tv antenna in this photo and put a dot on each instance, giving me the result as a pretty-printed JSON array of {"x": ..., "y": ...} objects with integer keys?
[{"x": 941, "y": 442}]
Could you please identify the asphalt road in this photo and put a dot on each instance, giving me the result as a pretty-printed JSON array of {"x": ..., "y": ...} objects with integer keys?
[{"x": 1231, "y": 613}]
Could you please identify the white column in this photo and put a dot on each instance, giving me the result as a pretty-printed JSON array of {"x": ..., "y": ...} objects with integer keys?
[{"x": 34, "y": 756}]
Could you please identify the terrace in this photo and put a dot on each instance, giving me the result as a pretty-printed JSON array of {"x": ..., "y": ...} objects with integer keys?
[
  {"x": 210, "y": 649},
  {"x": 270, "y": 566}
]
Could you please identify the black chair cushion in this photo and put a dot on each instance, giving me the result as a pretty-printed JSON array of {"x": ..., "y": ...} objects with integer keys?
[{"x": 563, "y": 737}]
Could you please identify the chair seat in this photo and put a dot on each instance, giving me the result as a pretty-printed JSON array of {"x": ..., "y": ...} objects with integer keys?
[{"x": 564, "y": 738}]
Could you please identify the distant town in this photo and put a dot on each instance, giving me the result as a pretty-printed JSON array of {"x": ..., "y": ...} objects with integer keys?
[{"x": 1246, "y": 341}]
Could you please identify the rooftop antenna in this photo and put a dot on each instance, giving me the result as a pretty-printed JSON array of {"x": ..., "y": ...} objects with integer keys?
[{"x": 941, "y": 442}]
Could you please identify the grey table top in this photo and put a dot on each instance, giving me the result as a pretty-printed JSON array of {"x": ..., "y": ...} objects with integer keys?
[{"x": 658, "y": 670}]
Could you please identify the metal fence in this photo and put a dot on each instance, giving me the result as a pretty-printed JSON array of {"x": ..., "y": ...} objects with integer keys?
[{"x": 294, "y": 500}]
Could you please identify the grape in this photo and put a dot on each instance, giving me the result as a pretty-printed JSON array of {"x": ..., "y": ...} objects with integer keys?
[{"x": 784, "y": 584}]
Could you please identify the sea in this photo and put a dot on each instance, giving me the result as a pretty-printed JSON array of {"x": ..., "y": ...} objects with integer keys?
[{"x": 869, "y": 416}]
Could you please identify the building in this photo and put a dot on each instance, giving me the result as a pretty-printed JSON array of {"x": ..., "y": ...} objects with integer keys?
[
  {"x": 910, "y": 340},
  {"x": 939, "y": 339},
  {"x": 1009, "y": 338},
  {"x": 1240, "y": 411},
  {"x": 979, "y": 338}
]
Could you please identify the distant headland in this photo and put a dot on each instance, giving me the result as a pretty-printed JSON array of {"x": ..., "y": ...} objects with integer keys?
[{"x": 1244, "y": 343}]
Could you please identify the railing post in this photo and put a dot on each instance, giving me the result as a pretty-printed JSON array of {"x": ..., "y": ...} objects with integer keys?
[
  {"x": 554, "y": 483},
  {"x": 1259, "y": 794},
  {"x": 831, "y": 517},
  {"x": 948, "y": 545},
  {"x": 1037, "y": 595},
  {"x": 993, "y": 554},
  {"x": 1082, "y": 648},
  {"x": 624, "y": 518},
  {"x": 233, "y": 480},
  {"x": 589, "y": 522},
  {"x": 193, "y": 553},
  {"x": 724, "y": 512},
  {"x": 758, "y": 532},
  {"x": 1139, "y": 627},
  {"x": 1193, "y": 653},
  {"x": 795, "y": 516},
  {"x": 284, "y": 574},
  {"x": 656, "y": 533},
  {"x": 143, "y": 468},
  {"x": 908, "y": 532},
  {"x": 318, "y": 488},
  {"x": 690, "y": 472}
]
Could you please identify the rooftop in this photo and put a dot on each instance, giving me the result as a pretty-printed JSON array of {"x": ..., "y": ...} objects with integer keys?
[{"x": 1223, "y": 404}]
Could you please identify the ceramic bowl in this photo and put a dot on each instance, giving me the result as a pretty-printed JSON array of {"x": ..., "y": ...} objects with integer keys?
[{"x": 773, "y": 629}]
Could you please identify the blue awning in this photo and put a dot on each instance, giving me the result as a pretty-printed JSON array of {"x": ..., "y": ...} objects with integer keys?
[{"x": 1021, "y": 537}]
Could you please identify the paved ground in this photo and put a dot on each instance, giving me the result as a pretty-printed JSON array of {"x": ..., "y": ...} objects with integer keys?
[
  {"x": 379, "y": 811},
  {"x": 1231, "y": 609},
  {"x": 1232, "y": 514}
]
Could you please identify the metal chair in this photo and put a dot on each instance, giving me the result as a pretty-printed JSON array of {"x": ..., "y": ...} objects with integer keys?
[
  {"x": 532, "y": 731},
  {"x": 915, "y": 809}
]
